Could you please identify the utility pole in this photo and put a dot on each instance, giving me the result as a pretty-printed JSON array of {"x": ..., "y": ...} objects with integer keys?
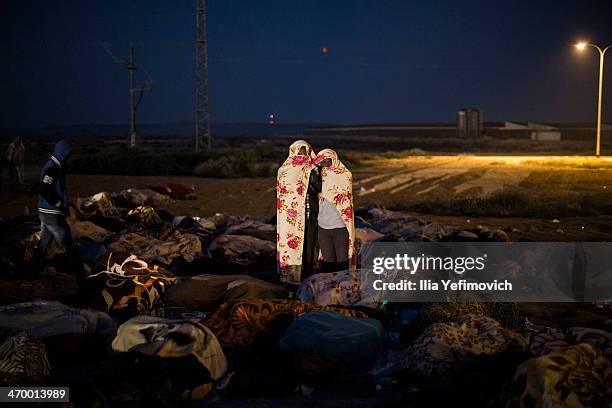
[
  {"x": 131, "y": 66},
  {"x": 202, "y": 113}
]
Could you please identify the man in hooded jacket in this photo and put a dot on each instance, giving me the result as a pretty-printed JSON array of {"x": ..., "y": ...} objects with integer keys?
[{"x": 53, "y": 209}]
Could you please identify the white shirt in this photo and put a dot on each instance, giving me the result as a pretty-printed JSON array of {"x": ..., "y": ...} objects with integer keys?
[{"x": 329, "y": 217}]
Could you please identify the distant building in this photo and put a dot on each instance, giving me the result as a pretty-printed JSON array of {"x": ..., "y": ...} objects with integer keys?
[
  {"x": 529, "y": 130},
  {"x": 545, "y": 132},
  {"x": 583, "y": 131},
  {"x": 439, "y": 130},
  {"x": 497, "y": 130}
]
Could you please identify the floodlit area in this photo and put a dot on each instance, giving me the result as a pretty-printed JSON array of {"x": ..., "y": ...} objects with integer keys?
[{"x": 406, "y": 180}]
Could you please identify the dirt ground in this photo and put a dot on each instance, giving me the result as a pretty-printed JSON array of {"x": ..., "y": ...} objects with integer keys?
[
  {"x": 447, "y": 177},
  {"x": 396, "y": 183}
]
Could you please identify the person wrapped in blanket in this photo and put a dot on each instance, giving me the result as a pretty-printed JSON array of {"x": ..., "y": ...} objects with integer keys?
[
  {"x": 53, "y": 209},
  {"x": 297, "y": 205},
  {"x": 129, "y": 286},
  {"x": 336, "y": 225}
]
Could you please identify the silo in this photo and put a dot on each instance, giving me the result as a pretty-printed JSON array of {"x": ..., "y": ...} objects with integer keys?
[
  {"x": 474, "y": 123},
  {"x": 469, "y": 123},
  {"x": 462, "y": 123}
]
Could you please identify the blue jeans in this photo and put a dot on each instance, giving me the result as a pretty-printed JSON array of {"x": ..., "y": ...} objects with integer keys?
[{"x": 55, "y": 226}]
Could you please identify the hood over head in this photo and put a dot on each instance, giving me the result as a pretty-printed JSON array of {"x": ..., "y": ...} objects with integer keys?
[
  {"x": 327, "y": 154},
  {"x": 295, "y": 147},
  {"x": 61, "y": 151}
]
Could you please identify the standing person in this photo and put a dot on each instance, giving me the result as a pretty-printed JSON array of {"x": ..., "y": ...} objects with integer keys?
[
  {"x": 17, "y": 153},
  {"x": 2, "y": 160},
  {"x": 9, "y": 160},
  {"x": 53, "y": 209},
  {"x": 297, "y": 188},
  {"x": 336, "y": 233}
]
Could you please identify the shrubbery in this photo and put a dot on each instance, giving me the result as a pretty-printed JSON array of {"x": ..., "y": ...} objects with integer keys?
[
  {"x": 260, "y": 161},
  {"x": 130, "y": 162},
  {"x": 399, "y": 154}
]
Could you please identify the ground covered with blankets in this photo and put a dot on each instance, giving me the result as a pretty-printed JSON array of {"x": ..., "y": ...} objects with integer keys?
[{"x": 189, "y": 311}]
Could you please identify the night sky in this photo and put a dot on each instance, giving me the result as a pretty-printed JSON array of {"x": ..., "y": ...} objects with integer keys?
[{"x": 388, "y": 61}]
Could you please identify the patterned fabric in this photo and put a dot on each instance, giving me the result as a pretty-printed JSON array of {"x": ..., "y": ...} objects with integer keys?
[
  {"x": 291, "y": 190},
  {"x": 131, "y": 285},
  {"x": 339, "y": 288},
  {"x": 545, "y": 340},
  {"x": 178, "y": 246},
  {"x": 548, "y": 339},
  {"x": 171, "y": 339},
  {"x": 23, "y": 361},
  {"x": 149, "y": 223},
  {"x": 596, "y": 338},
  {"x": 101, "y": 204},
  {"x": 237, "y": 323},
  {"x": 576, "y": 376},
  {"x": 442, "y": 347},
  {"x": 462, "y": 303},
  {"x": 338, "y": 190}
]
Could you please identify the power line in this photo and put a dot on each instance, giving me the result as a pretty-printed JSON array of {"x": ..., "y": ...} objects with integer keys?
[
  {"x": 131, "y": 67},
  {"x": 202, "y": 113}
]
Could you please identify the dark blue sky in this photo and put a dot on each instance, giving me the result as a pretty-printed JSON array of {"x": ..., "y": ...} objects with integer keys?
[{"x": 388, "y": 61}]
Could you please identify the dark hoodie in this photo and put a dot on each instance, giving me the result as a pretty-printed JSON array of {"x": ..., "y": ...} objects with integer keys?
[{"x": 52, "y": 197}]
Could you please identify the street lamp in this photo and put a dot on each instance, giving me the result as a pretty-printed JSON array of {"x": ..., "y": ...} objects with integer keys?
[{"x": 581, "y": 46}]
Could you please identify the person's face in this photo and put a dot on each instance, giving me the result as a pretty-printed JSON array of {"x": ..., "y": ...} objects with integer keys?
[
  {"x": 326, "y": 162},
  {"x": 302, "y": 151}
]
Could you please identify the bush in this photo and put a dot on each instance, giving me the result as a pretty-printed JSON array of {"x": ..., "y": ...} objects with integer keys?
[
  {"x": 227, "y": 163},
  {"x": 352, "y": 160},
  {"x": 403, "y": 153},
  {"x": 124, "y": 162},
  {"x": 234, "y": 162}
]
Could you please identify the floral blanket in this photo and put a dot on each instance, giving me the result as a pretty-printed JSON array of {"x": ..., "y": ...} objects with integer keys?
[
  {"x": 338, "y": 190},
  {"x": 574, "y": 376},
  {"x": 291, "y": 189},
  {"x": 443, "y": 347},
  {"x": 338, "y": 288}
]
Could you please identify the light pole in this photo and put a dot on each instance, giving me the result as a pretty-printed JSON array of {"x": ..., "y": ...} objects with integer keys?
[{"x": 602, "y": 52}]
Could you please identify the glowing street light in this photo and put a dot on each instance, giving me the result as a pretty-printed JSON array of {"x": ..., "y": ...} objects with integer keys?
[{"x": 581, "y": 46}]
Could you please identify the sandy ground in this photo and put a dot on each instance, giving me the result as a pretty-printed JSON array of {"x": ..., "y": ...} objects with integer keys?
[{"x": 388, "y": 182}]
